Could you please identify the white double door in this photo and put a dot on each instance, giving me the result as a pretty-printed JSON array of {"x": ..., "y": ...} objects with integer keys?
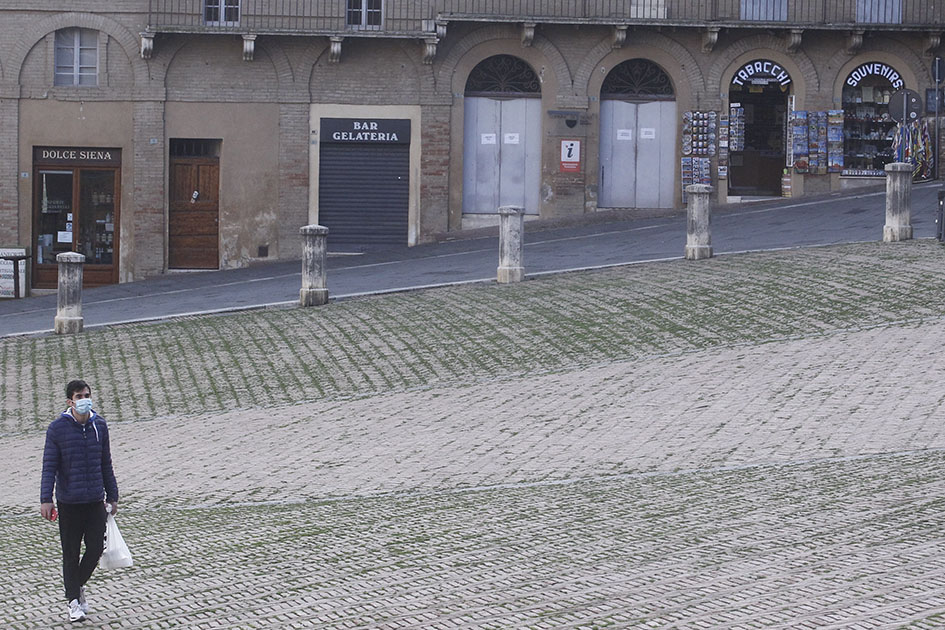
[
  {"x": 501, "y": 154},
  {"x": 637, "y": 154}
]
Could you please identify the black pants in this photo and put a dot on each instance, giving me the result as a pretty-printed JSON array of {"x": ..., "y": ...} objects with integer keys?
[{"x": 78, "y": 521}]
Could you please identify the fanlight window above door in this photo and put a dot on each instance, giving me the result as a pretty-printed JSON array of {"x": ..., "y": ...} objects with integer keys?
[
  {"x": 638, "y": 79},
  {"x": 503, "y": 75}
]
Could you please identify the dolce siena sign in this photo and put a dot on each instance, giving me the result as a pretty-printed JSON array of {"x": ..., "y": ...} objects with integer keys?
[
  {"x": 761, "y": 72},
  {"x": 77, "y": 155}
]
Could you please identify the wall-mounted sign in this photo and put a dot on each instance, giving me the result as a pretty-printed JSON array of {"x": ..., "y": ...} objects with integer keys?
[
  {"x": 511, "y": 138},
  {"x": 875, "y": 69},
  {"x": 81, "y": 156},
  {"x": 365, "y": 130},
  {"x": 761, "y": 72},
  {"x": 570, "y": 156},
  {"x": 488, "y": 138}
]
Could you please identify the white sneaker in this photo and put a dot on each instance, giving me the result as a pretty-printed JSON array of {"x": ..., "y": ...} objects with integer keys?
[
  {"x": 75, "y": 611},
  {"x": 83, "y": 603}
]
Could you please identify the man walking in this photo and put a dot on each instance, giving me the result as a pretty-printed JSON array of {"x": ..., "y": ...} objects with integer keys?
[{"x": 77, "y": 460}]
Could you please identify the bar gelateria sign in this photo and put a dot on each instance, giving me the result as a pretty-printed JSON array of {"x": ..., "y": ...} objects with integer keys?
[
  {"x": 362, "y": 131},
  {"x": 77, "y": 155}
]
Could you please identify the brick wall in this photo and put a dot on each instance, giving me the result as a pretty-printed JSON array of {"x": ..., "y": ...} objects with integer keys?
[
  {"x": 293, "y": 177},
  {"x": 434, "y": 166},
  {"x": 370, "y": 73},
  {"x": 145, "y": 256},
  {"x": 12, "y": 233}
]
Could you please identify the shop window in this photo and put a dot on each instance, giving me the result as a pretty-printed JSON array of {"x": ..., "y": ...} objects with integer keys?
[
  {"x": 879, "y": 11},
  {"x": 364, "y": 14},
  {"x": 76, "y": 57},
  {"x": 868, "y": 129},
  {"x": 76, "y": 208},
  {"x": 764, "y": 10},
  {"x": 221, "y": 12}
]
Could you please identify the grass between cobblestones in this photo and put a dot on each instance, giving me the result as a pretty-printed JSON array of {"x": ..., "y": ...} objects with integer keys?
[
  {"x": 371, "y": 345},
  {"x": 771, "y": 546},
  {"x": 838, "y": 543}
]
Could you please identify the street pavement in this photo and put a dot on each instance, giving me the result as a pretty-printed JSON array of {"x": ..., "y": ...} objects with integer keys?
[
  {"x": 746, "y": 442},
  {"x": 836, "y": 218}
]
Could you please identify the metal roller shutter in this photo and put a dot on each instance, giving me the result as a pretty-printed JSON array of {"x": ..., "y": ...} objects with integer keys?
[{"x": 363, "y": 193}]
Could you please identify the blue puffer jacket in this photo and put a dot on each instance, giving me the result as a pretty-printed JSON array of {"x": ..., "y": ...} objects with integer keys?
[{"x": 78, "y": 461}]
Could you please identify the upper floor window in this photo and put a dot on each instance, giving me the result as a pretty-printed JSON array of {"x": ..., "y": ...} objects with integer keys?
[
  {"x": 221, "y": 12},
  {"x": 364, "y": 14},
  {"x": 764, "y": 10},
  {"x": 76, "y": 57},
  {"x": 879, "y": 11}
]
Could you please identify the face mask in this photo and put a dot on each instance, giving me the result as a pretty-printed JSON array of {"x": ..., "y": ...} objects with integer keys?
[{"x": 83, "y": 406}]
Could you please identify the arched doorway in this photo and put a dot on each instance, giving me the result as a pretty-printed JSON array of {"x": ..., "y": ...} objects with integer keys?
[
  {"x": 637, "y": 137},
  {"x": 502, "y": 136},
  {"x": 868, "y": 129},
  {"x": 758, "y": 101}
]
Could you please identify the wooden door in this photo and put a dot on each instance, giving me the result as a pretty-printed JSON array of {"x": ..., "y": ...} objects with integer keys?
[{"x": 193, "y": 221}]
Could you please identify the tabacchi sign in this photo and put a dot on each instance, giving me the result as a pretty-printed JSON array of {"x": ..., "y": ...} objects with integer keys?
[{"x": 761, "y": 72}]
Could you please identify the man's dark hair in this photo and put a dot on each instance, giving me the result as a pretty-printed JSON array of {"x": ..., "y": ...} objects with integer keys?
[{"x": 76, "y": 386}]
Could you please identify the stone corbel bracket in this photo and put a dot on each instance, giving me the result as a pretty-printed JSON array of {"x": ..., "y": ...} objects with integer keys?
[
  {"x": 709, "y": 38},
  {"x": 933, "y": 41},
  {"x": 854, "y": 42},
  {"x": 794, "y": 37},
  {"x": 528, "y": 34},
  {"x": 429, "y": 49},
  {"x": 620, "y": 36},
  {"x": 334, "y": 52},
  {"x": 147, "y": 45},
  {"x": 441, "y": 29},
  {"x": 249, "y": 47}
]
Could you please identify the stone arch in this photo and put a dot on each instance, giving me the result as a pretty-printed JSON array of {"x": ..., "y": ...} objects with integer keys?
[
  {"x": 308, "y": 61},
  {"x": 508, "y": 42},
  {"x": 424, "y": 72},
  {"x": 280, "y": 61},
  {"x": 164, "y": 53},
  {"x": 125, "y": 38},
  {"x": 803, "y": 72},
  {"x": 328, "y": 80},
  {"x": 231, "y": 77},
  {"x": 170, "y": 49},
  {"x": 676, "y": 60},
  {"x": 900, "y": 55}
]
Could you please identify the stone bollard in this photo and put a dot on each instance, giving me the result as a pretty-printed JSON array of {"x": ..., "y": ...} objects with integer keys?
[
  {"x": 69, "y": 299},
  {"x": 698, "y": 218},
  {"x": 314, "y": 291},
  {"x": 898, "y": 202},
  {"x": 511, "y": 245}
]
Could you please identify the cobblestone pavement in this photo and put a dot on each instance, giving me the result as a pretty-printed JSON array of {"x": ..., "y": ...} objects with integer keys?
[{"x": 782, "y": 481}]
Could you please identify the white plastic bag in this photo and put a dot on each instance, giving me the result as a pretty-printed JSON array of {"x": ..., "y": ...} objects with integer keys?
[{"x": 116, "y": 551}]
